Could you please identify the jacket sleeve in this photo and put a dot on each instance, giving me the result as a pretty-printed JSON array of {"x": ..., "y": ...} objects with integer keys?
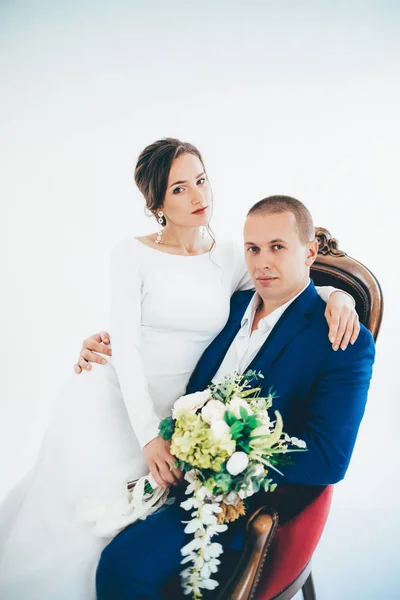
[{"x": 334, "y": 414}]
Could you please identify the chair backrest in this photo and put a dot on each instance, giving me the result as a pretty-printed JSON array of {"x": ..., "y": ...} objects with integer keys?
[
  {"x": 292, "y": 548},
  {"x": 334, "y": 267}
]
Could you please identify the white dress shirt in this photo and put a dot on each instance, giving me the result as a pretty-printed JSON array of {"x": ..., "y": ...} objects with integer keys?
[{"x": 247, "y": 344}]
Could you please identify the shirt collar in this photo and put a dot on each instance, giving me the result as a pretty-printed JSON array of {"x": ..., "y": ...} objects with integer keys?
[{"x": 268, "y": 322}]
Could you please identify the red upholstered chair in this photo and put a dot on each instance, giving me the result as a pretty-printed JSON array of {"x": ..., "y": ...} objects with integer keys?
[
  {"x": 276, "y": 562},
  {"x": 294, "y": 542}
]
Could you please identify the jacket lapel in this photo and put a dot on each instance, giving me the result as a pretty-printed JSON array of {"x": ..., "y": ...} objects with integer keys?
[{"x": 295, "y": 318}]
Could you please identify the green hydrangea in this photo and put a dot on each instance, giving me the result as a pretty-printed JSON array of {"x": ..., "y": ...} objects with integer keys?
[{"x": 194, "y": 443}]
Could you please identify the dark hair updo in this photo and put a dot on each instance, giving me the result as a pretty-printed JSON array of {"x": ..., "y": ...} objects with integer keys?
[{"x": 153, "y": 167}]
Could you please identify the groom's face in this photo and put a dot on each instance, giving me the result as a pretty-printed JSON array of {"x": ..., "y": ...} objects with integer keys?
[{"x": 276, "y": 258}]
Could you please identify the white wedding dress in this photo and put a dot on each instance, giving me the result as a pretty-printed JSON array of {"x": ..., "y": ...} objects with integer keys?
[{"x": 165, "y": 310}]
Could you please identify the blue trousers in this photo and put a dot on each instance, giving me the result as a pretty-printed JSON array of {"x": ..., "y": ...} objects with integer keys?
[{"x": 143, "y": 561}]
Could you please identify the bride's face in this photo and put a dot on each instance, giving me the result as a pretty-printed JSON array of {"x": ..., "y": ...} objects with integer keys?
[{"x": 188, "y": 199}]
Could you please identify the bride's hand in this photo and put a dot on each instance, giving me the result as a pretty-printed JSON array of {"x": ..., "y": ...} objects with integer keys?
[
  {"x": 95, "y": 343},
  {"x": 342, "y": 318},
  {"x": 160, "y": 462}
]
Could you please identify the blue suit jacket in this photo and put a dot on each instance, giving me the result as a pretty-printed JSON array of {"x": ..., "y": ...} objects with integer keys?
[{"x": 321, "y": 394}]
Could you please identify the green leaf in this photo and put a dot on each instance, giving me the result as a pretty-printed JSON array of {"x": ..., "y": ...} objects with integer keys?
[
  {"x": 243, "y": 413},
  {"x": 230, "y": 418},
  {"x": 244, "y": 444},
  {"x": 254, "y": 422},
  {"x": 236, "y": 428},
  {"x": 246, "y": 393},
  {"x": 166, "y": 428}
]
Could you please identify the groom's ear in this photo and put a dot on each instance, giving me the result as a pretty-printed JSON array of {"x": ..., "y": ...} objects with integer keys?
[{"x": 312, "y": 252}]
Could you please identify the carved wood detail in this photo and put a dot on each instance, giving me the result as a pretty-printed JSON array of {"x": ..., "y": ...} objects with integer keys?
[{"x": 327, "y": 244}]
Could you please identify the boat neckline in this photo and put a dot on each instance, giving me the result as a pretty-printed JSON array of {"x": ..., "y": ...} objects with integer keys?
[{"x": 172, "y": 254}]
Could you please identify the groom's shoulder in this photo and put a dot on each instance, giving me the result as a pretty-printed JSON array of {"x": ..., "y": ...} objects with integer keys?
[
  {"x": 319, "y": 330},
  {"x": 240, "y": 300}
]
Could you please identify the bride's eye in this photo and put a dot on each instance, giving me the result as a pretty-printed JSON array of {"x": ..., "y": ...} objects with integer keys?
[
  {"x": 178, "y": 190},
  {"x": 201, "y": 181}
]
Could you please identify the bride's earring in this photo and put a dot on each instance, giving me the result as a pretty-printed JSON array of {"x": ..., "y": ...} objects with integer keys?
[{"x": 161, "y": 219}]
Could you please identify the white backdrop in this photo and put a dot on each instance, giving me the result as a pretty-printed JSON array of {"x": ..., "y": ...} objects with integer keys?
[{"x": 291, "y": 97}]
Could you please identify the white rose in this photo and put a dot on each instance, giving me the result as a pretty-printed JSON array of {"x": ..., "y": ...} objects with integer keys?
[
  {"x": 237, "y": 463},
  {"x": 219, "y": 428},
  {"x": 236, "y": 403},
  {"x": 213, "y": 410},
  {"x": 191, "y": 402}
]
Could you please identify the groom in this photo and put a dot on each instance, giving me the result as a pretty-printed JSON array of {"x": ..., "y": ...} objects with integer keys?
[{"x": 281, "y": 331}]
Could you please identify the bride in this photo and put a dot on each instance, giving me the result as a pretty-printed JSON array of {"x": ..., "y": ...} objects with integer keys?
[{"x": 170, "y": 295}]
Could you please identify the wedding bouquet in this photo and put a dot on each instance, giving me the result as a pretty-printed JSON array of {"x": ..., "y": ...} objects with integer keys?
[{"x": 225, "y": 442}]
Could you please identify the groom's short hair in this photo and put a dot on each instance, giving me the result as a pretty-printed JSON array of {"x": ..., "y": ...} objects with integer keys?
[{"x": 281, "y": 204}]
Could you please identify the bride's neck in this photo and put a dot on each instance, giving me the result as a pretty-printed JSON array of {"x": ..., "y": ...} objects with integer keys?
[{"x": 186, "y": 240}]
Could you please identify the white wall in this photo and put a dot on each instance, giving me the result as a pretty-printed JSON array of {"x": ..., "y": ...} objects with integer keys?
[{"x": 281, "y": 97}]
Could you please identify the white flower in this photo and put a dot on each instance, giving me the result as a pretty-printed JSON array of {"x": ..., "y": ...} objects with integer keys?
[
  {"x": 190, "y": 503},
  {"x": 266, "y": 420},
  {"x": 212, "y": 550},
  {"x": 237, "y": 463},
  {"x": 193, "y": 526},
  {"x": 219, "y": 429},
  {"x": 205, "y": 571},
  {"x": 295, "y": 441},
  {"x": 245, "y": 493},
  {"x": 209, "y": 584},
  {"x": 258, "y": 471},
  {"x": 214, "y": 410},
  {"x": 191, "y": 402},
  {"x": 195, "y": 544},
  {"x": 299, "y": 443},
  {"x": 213, "y": 529},
  {"x": 236, "y": 403},
  {"x": 232, "y": 498}
]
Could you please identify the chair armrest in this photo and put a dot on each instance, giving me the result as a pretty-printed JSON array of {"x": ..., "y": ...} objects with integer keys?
[{"x": 260, "y": 530}]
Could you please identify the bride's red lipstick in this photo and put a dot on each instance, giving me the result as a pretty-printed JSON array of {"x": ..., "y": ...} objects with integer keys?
[{"x": 201, "y": 211}]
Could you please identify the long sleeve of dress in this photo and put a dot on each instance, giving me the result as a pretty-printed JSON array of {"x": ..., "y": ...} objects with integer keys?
[{"x": 125, "y": 319}]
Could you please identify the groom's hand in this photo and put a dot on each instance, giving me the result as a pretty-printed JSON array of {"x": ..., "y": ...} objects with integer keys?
[
  {"x": 98, "y": 342},
  {"x": 160, "y": 462}
]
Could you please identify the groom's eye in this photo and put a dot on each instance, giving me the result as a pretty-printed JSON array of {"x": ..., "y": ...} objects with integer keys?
[
  {"x": 252, "y": 249},
  {"x": 277, "y": 247}
]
